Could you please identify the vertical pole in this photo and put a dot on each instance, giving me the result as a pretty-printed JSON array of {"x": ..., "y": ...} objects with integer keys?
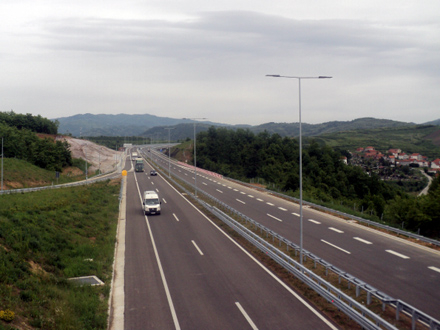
[
  {"x": 169, "y": 153},
  {"x": 300, "y": 177},
  {"x": 195, "y": 161},
  {"x": 2, "y": 166}
]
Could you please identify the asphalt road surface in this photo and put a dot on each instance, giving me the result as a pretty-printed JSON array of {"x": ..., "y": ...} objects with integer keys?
[
  {"x": 403, "y": 270},
  {"x": 183, "y": 272}
]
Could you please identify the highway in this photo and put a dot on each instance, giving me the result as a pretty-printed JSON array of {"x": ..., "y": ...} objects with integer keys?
[
  {"x": 403, "y": 270},
  {"x": 183, "y": 272}
]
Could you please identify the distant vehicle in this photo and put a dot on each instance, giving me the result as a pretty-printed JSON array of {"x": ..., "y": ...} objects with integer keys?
[
  {"x": 151, "y": 203},
  {"x": 134, "y": 155},
  {"x": 153, "y": 172},
  {"x": 139, "y": 166}
]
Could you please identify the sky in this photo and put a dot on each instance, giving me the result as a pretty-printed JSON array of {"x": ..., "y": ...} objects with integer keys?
[{"x": 209, "y": 59}]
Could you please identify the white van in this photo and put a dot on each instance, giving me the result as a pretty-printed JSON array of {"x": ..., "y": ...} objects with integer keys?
[{"x": 151, "y": 202}]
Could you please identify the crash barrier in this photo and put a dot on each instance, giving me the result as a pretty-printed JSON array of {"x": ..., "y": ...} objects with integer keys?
[
  {"x": 97, "y": 178},
  {"x": 346, "y": 215}
]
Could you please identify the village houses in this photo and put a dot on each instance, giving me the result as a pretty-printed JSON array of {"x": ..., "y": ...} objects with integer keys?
[{"x": 399, "y": 158}]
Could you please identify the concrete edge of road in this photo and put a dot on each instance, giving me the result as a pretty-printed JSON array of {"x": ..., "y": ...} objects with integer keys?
[{"x": 116, "y": 298}]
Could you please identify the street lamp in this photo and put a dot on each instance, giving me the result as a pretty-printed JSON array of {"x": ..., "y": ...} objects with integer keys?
[
  {"x": 195, "y": 153},
  {"x": 300, "y": 155},
  {"x": 2, "y": 167},
  {"x": 169, "y": 150}
]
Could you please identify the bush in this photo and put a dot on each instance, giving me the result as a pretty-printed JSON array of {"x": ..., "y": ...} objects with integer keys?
[{"x": 7, "y": 315}]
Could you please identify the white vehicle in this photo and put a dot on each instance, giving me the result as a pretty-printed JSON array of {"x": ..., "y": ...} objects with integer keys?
[
  {"x": 151, "y": 203},
  {"x": 134, "y": 155}
]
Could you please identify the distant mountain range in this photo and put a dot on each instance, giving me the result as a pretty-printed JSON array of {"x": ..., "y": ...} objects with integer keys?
[{"x": 150, "y": 126}]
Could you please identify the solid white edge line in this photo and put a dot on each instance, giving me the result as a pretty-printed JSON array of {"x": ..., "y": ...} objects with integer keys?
[
  {"x": 274, "y": 217},
  {"x": 284, "y": 285},
  {"x": 336, "y": 247},
  {"x": 240, "y": 201},
  {"x": 246, "y": 316},
  {"x": 398, "y": 254},
  {"x": 159, "y": 264},
  {"x": 362, "y": 240},
  {"x": 175, "y": 216},
  {"x": 198, "y": 249}
]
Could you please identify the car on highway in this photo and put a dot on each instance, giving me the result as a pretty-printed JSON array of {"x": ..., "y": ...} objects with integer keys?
[
  {"x": 153, "y": 172},
  {"x": 151, "y": 203}
]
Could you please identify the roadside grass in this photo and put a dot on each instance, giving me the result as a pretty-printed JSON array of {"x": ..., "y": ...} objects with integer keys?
[
  {"x": 18, "y": 173},
  {"x": 48, "y": 236}
]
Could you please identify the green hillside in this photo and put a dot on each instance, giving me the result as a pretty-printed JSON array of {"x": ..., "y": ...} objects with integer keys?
[
  {"x": 421, "y": 139},
  {"x": 18, "y": 173}
]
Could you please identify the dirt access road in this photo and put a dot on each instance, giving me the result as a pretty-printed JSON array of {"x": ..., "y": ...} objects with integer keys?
[{"x": 99, "y": 156}]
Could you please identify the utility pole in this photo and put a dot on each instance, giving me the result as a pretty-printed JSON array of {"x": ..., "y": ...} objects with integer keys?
[{"x": 2, "y": 166}]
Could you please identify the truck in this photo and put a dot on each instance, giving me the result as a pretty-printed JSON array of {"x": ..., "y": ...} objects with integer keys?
[
  {"x": 139, "y": 166},
  {"x": 134, "y": 155},
  {"x": 151, "y": 202}
]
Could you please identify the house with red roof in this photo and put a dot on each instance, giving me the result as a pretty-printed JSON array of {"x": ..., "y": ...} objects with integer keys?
[
  {"x": 394, "y": 152},
  {"x": 402, "y": 155}
]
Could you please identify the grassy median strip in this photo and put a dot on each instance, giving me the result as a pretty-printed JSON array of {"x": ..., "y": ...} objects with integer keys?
[{"x": 47, "y": 237}]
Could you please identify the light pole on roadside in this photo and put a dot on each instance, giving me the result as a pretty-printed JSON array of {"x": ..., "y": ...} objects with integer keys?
[
  {"x": 169, "y": 150},
  {"x": 300, "y": 155},
  {"x": 2, "y": 166},
  {"x": 195, "y": 153}
]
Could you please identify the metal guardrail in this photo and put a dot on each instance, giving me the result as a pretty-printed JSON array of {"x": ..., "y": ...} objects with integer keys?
[
  {"x": 353, "y": 217},
  {"x": 343, "y": 302},
  {"x": 97, "y": 178},
  {"x": 316, "y": 282}
]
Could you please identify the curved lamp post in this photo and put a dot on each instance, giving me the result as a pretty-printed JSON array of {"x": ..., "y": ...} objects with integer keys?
[{"x": 300, "y": 155}]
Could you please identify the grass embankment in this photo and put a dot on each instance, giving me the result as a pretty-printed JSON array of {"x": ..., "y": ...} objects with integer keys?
[
  {"x": 47, "y": 237},
  {"x": 18, "y": 174}
]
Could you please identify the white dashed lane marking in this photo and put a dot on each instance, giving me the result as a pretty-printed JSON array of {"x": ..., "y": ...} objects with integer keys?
[
  {"x": 336, "y": 247},
  {"x": 274, "y": 217},
  {"x": 362, "y": 240},
  {"x": 397, "y": 254}
]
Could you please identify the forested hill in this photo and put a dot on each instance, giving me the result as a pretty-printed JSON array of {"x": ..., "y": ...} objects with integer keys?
[
  {"x": 20, "y": 140},
  {"x": 147, "y": 125},
  {"x": 243, "y": 155},
  {"x": 35, "y": 124}
]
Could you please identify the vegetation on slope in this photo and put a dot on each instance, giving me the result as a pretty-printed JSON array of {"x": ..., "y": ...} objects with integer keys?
[
  {"x": 20, "y": 140},
  {"x": 47, "y": 237},
  {"x": 326, "y": 179},
  {"x": 416, "y": 139}
]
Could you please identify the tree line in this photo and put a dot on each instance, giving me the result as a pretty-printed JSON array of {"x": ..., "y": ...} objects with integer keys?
[
  {"x": 246, "y": 156},
  {"x": 22, "y": 142},
  {"x": 36, "y": 124}
]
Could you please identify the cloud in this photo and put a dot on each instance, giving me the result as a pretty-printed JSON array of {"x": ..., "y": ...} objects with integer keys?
[{"x": 213, "y": 64}]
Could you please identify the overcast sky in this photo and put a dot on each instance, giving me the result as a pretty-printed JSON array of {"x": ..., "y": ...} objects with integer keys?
[{"x": 202, "y": 58}]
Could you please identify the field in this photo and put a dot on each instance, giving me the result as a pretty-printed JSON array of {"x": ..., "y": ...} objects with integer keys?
[
  {"x": 47, "y": 237},
  {"x": 18, "y": 173}
]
